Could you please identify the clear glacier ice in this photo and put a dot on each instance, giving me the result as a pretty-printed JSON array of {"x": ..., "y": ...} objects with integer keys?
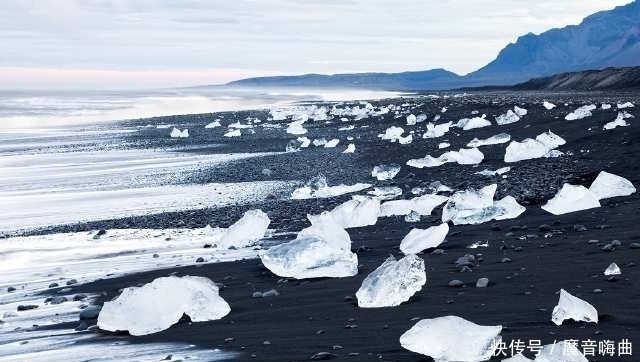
[
  {"x": 570, "y": 307},
  {"x": 418, "y": 240}
]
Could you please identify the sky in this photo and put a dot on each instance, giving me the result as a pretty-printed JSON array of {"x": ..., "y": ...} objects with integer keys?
[{"x": 116, "y": 44}]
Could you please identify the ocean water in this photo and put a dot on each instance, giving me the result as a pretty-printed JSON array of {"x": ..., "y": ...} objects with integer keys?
[{"x": 62, "y": 160}]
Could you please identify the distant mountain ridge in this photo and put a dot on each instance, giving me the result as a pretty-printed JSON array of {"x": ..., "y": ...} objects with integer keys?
[
  {"x": 605, "y": 79},
  {"x": 604, "y": 39}
]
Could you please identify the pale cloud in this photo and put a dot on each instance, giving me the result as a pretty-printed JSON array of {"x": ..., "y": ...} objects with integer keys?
[{"x": 180, "y": 42}]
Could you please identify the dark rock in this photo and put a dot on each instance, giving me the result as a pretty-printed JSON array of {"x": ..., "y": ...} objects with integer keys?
[
  {"x": 79, "y": 297},
  {"x": 11, "y": 289},
  {"x": 99, "y": 233},
  {"x": 54, "y": 285},
  {"x": 634, "y": 245},
  {"x": 579, "y": 228},
  {"x": 482, "y": 283},
  {"x": 90, "y": 312},
  {"x": 456, "y": 283},
  {"x": 22, "y": 308},
  {"x": 56, "y": 300},
  {"x": 72, "y": 282},
  {"x": 270, "y": 293},
  {"x": 200, "y": 260},
  {"x": 544, "y": 227},
  {"x": 505, "y": 260},
  {"x": 607, "y": 248}
]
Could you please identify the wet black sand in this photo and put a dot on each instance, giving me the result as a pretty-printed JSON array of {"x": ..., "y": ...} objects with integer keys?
[{"x": 312, "y": 316}]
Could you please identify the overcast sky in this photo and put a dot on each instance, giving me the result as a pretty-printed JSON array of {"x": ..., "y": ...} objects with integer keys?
[{"x": 151, "y": 43}]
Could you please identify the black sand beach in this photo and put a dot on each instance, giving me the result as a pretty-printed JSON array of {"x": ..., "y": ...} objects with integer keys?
[{"x": 528, "y": 259}]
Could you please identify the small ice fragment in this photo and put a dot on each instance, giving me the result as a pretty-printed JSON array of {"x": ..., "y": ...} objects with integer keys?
[
  {"x": 472, "y": 123},
  {"x": 418, "y": 240},
  {"x": 452, "y": 339},
  {"x": 176, "y": 133},
  {"x": 507, "y": 118},
  {"x": 550, "y": 140},
  {"x": 570, "y": 307},
  {"x": 320, "y": 189},
  {"x": 392, "y": 283},
  {"x": 405, "y": 140},
  {"x": 499, "y": 171},
  {"x": 304, "y": 142},
  {"x": 321, "y": 250},
  {"x": 442, "y": 145},
  {"x": 605, "y": 106},
  {"x": 477, "y": 206},
  {"x": 358, "y": 212},
  {"x": 385, "y": 172},
  {"x": 464, "y": 156},
  {"x": 213, "y": 124},
  {"x": 571, "y": 198},
  {"x": 351, "y": 148},
  {"x": 618, "y": 122},
  {"x": 332, "y": 143},
  {"x": 392, "y": 133},
  {"x": 160, "y": 304},
  {"x": 411, "y": 120},
  {"x": 548, "y": 105},
  {"x": 612, "y": 269},
  {"x": 319, "y": 142},
  {"x": 520, "y": 111},
  {"x": 347, "y": 128},
  {"x": 435, "y": 131},
  {"x": 250, "y": 228},
  {"x": 493, "y": 140},
  {"x": 423, "y": 205},
  {"x": 296, "y": 128},
  {"x": 582, "y": 112},
  {"x": 233, "y": 133},
  {"x": 608, "y": 185},
  {"x": 625, "y": 105}
]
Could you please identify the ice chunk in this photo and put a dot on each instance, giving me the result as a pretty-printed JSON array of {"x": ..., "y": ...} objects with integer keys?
[
  {"x": 347, "y": 128},
  {"x": 392, "y": 133},
  {"x": 385, "y": 172},
  {"x": 608, "y": 185},
  {"x": 296, "y": 128},
  {"x": 612, "y": 269},
  {"x": 307, "y": 192},
  {"x": 351, "y": 148},
  {"x": 411, "y": 120},
  {"x": 477, "y": 206},
  {"x": 548, "y": 105},
  {"x": 176, "y": 133},
  {"x": 605, "y": 106},
  {"x": 247, "y": 231},
  {"x": 464, "y": 156},
  {"x": 386, "y": 192},
  {"x": 471, "y": 123},
  {"x": 319, "y": 142},
  {"x": 304, "y": 142},
  {"x": 550, "y": 140},
  {"x": 442, "y": 145},
  {"x": 570, "y": 307},
  {"x": 529, "y": 148},
  {"x": 213, "y": 124},
  {"x": 560, "y": 352},
  {"x": 493, "y": 140},
  {"x": 233, "y": 133},
  {"x": 571, "y": 198},
  {"x": 358, "y": 212},
  {"x": 423, "y": 205},
  {"x": 520, "y": 111},
  {"x": 507, "y": 118},
  {"x": 452, "y": 339},
  {"x": 625, "y": 105},
  {"x": 435, "y": 131},
  {"x": 332, "y": 143},
  {"x": 582, "y": 112},
  {"x": 499, "y": 171},
  {"x": 158, "y": 305},
  {"x": 321, "y": 250},
  {"x": 618, "y": 122},
  {"x": 418, "y": 240},
  {"x": 392, "y": 283}
]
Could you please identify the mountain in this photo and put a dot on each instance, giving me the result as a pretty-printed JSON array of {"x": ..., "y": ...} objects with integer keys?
[
  {"x": 435, "y": 78},
  {"x": 606, "y": 79},
  {"x": 605, "y": 39}
]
